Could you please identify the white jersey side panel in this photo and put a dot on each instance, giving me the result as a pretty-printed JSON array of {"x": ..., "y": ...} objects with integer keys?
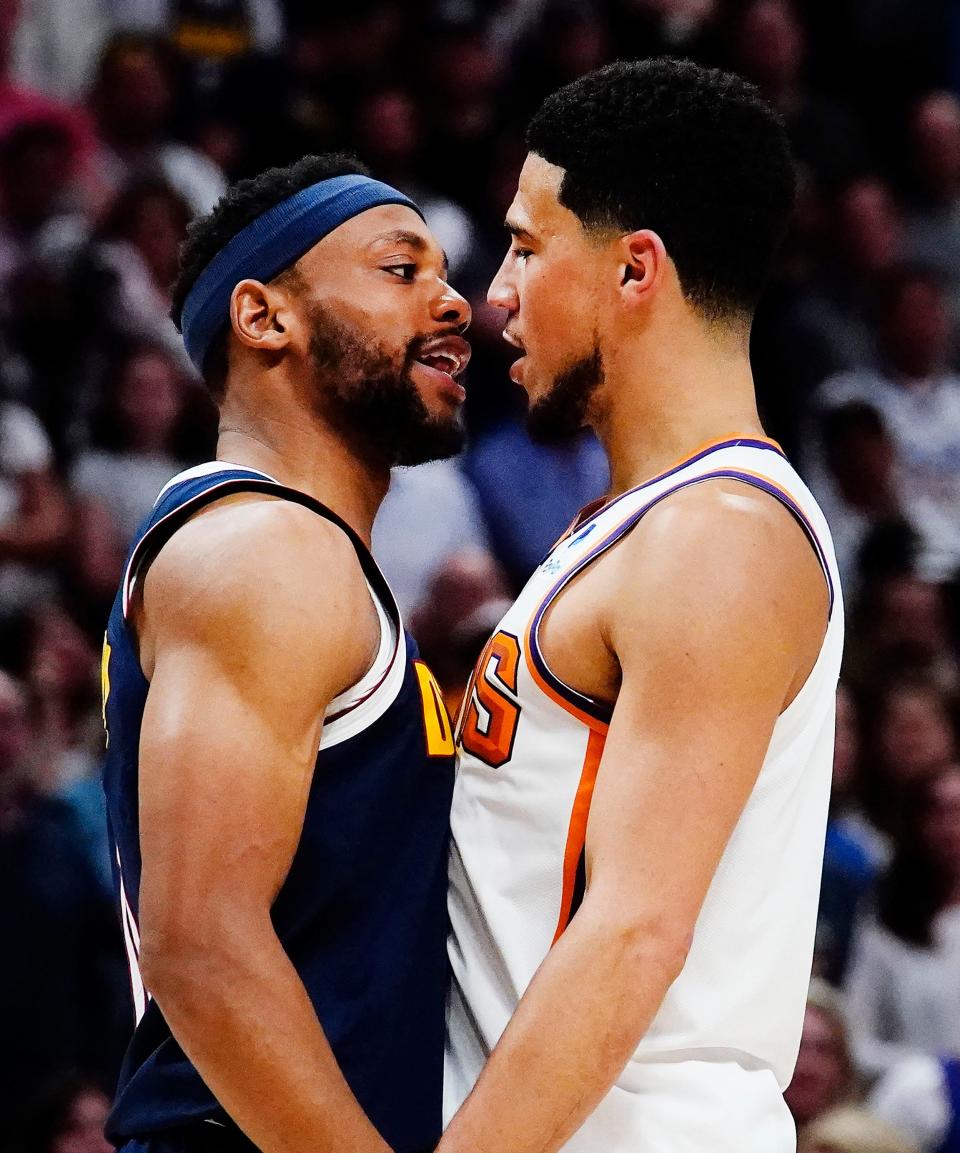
[{"x": 728, "y": 1030}]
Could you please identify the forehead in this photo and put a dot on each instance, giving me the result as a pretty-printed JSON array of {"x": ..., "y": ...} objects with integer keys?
[
  {"x": 536, "y": 206},
  {"x": 381, "y": 227}
]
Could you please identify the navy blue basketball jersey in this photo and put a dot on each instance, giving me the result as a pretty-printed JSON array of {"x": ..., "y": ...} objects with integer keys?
[{"x": 362, "y": 913}]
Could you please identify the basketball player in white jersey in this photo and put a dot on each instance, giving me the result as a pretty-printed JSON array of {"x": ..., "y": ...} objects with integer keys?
[{"x": 646, "y": 747}]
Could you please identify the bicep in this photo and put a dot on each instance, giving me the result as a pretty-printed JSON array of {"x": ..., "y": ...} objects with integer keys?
[
  {"x": 682, "y": 754},
  {"x": 248, "y": 648},
  {"x": 706, "y": 641},
  {"x": 224, "y": 776}
]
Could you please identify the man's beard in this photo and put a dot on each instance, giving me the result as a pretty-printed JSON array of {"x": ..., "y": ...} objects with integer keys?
[
  {"x": 562, "y": 412},
  {"x": 368, "y": 394}
]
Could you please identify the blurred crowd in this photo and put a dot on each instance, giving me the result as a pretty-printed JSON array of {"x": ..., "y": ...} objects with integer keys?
[{"x": 120, "y": 119}]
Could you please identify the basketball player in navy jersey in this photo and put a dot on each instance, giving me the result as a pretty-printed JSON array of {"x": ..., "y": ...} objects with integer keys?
[
  {"x": 640, "y": 805},
  {"x": 284, "y": 908}
]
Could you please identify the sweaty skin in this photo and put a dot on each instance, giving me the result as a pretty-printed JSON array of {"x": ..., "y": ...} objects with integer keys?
[{"x": 700, "y": 627}]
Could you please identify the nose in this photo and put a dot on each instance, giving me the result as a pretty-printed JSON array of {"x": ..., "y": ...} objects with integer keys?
[
  {"x": 452, "y": 309},
  {"x": 502, "y": 292}
]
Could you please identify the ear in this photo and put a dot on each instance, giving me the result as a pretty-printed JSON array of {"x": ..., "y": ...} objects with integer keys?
[
  {"x": 643, "y": 262},
  {"x": 260, "y": 316}
]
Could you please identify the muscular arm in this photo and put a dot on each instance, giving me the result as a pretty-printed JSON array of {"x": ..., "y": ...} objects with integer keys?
[
  {"x": 253, "y": 620},
  {"x": 705, "y": 577}
]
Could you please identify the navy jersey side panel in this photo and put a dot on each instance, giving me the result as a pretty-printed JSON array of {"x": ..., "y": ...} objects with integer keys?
[{"x": 362, "y": 913}]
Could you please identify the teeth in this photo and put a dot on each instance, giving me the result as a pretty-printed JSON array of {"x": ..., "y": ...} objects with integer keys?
[{"x": 444, "y": 363}]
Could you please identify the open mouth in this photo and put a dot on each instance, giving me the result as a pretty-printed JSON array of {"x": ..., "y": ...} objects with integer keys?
[
  {"x": 448, "y": 355},
  {"x": 441, "y": 362}
]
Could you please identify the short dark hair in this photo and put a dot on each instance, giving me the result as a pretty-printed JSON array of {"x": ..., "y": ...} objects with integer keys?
[
  {"x": 693, "y": 153},
  {"x": 244, "y": 202}
]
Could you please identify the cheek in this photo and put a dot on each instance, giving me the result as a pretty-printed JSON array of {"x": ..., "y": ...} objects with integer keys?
[{"x": 553, "y": 308}]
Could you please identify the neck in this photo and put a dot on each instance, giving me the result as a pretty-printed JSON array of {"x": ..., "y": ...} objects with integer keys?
[
  {"x": 663, "y": 399},
  {"x": 297, "y": 449}
]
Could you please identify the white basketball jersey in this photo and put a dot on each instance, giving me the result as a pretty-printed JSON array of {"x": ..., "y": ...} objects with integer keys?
[{"x": 709, "y": 1074}]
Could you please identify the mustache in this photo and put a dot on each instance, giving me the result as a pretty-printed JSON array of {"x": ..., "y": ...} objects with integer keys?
[{"x": 418, "y": 343}]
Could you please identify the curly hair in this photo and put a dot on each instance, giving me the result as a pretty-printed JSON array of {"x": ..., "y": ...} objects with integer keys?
[
  {"x": 693, "y": 153},
  {"x": 244, "y": 202}
]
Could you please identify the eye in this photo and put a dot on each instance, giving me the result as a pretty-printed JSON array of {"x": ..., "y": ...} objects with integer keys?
[
  {"x": 520, "y": 253},
  {"x": 402, "y": 271}
]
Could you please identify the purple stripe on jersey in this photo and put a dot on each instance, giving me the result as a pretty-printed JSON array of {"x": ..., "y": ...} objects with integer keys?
[
  {"x": 740, "y": 442},
  {"x": 598, "y": 709}
]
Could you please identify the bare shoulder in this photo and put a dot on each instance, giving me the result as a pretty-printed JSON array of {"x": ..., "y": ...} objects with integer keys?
[
  {"x": 719, "y": 530},
  {"x": 251, "y": 571},
  {"x": 716, "y": 555}
]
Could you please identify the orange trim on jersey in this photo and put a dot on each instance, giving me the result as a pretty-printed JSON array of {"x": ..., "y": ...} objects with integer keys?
[
  {"x": 707, "y": 444},
  {"x": 731, "y": 436},
  {"x": 577, "y": 832},
  {"x": 529, "y": 641},
  {"x": 548, "y": 690}
]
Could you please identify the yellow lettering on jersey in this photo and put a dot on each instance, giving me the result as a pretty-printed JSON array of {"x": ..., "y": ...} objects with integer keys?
[
  {"x": 105, "y": 680},
  {"x": 436, "y": 721}
]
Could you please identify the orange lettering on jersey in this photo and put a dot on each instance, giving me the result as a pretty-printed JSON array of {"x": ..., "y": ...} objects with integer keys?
[
  {"x": 491, "y": 715},
  {"x": 436, "y": 720}
]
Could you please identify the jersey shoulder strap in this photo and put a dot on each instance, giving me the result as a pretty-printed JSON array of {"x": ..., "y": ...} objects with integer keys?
[{"x": 183, "y": 499}]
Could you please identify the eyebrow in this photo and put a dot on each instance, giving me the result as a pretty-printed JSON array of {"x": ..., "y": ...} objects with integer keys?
[
  {"x": 413, "y": 239},
  {"x": 516, "y": 230}
]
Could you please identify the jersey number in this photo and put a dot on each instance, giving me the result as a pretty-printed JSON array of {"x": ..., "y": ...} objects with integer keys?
[
  {"x": 436, "y": 720},
  {"x": 491, "y": 713}
]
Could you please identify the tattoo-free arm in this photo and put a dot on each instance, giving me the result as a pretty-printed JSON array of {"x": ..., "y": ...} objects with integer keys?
[
  {"x": 254, "y": 618},
  {"x": 707, "y": 576}
]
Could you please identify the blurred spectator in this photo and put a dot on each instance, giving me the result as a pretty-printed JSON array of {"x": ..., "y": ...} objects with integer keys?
[
  {"x": 207, "y": 29},
  {"x": 389, "y": 136},
  {"x": 770, "y": 48},
  {"x": 459, "y": 611},
  {"x": 40, "y": 231},
  {"x": 834, "y": 324},
  {"x": 92, "y": 565},
  {"x": 122, "y": 280},
  {"x": 61, "y": 676},
  {"x": 572, "y": 37},
  {"x": 430, "y": 513},
  {"x": 860, "y": 491},
  {"x": 823, "y": 1078},
  {"x": 61, "y": 966},
  {"x": 20, "y": 102},
  {"x": 900, "y": 628},
  {"x": 57, "y": 43},
  {"x": 852, "y": 852},
  {"x": 67, "y": 1115},
  {"x": 933, "y": 228},
  {"x": 37, "y": 162},
  {"x": 133, "y": 444},
  {"x": 460, "y": 78},
  {"x": 132, "y": 101},
  {"x": 674, "y": 27},
  {"x": 911, "y": 734},
  {"x": 33, "y": 512},
  {"x": 904, "y": 996},
  {"x": 853, "y": 1130},
  {"x": 530, "y": 493},
  {"x": 918, "y": 399},
  {"x": 921, "y": 1096}
]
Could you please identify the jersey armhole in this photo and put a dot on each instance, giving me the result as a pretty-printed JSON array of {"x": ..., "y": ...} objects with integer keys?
[
  {"x": 153, "y": 540},
  {"x": 597, "y": 713}
]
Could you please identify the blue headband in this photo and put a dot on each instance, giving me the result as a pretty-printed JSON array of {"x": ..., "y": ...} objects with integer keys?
[{"x": 272, "y": 243}]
